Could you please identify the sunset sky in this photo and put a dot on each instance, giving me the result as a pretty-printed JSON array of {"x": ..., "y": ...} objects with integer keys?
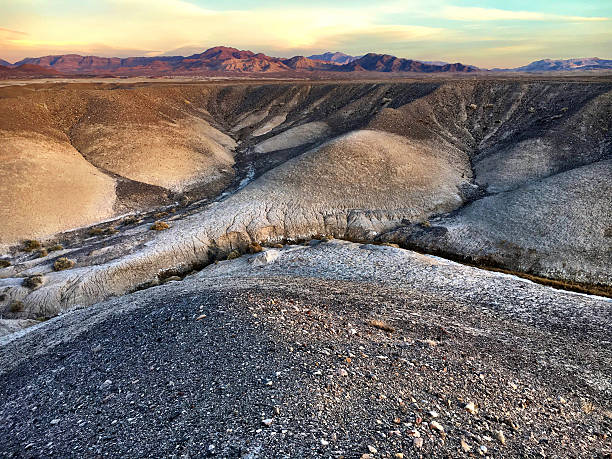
[{"x": 489, "y": 34}]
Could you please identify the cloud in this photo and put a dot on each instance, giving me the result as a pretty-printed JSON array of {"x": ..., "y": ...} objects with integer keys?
[{"x": 472, "y": 13}]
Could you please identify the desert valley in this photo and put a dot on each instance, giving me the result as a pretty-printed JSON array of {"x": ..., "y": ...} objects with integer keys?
[{"x": 231, "y": 254}]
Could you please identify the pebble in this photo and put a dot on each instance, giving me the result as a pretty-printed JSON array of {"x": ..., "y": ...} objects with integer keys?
[
  {"x": 55, "y": 421},
  {"x": 418, "y": 442},
  {"x": 435, "y": 425},
  {"x": 399, "y": 455},
  {"x": 267, "y": 422},
  {"x": 464, "y": 446},
  {"x": 324, "y": 442},
  {"x": 483, "y": 449},
  {"x": 470, "y": 408},
  {"x": 372, "y": 449},
  {"x": 106, "y": 384},
  {"x": 434, "y": 414},
  {"x": 501, "y": 437},
  {"x": 342, "y": 372}
]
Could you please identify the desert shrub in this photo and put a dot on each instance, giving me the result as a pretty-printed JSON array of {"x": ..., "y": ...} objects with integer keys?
[
  {"x": 4, "y": 263},
  {"x": 131, "y": 219},
  {"x": 43, "y": 253},
  {"x": 55, "y": 247},
  {"x": 95, "y": 231},
  {"x": 31, "y": 245},
  {"x": 160, "y": 214},
  {"x": 255, "y": 247},
  {"x": 277, "y": 246},
  {"x": 111, "y": 230},
  {"x": 33, "y": 281},
  {"x": 16, "y": 306},
  {"x": 63, "y": 263},
  {"x": 160, "y": 226},
  {"x": 233, "y": 254}
]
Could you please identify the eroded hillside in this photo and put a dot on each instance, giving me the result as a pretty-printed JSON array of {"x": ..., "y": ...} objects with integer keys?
[{"x": 502, "y": 173}]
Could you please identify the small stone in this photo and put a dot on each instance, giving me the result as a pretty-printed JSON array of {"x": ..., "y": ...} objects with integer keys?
[
  {"x": 324, "y": 442},
  {"x": 399, "y": 455},
  {"x": 55, "y": 421},
  {"x": 470, "y": 408},
  {"x": 266, "y": 422},
  {"x": 397, "y": 421},
  {"x": 341, "y": 372},
  {"x": 97, "y": 349},
  {"x": 372, "y": 449},
  {"x": 201, "y": 316},
  {"x": 269, "y": 382},
  {"x": 464, "y": 446},
  {"x": 276, "y": 410},
  {"x": 483, "y": 449},
  {"x": 418, "y": 442},
  {"x": 106, "y": 384},
  {"x": 501, "y": 437},
  {"x": 366, "y": 456},
  {"x": 433, "y": 414},
  {"x": 435, "y": 425}
]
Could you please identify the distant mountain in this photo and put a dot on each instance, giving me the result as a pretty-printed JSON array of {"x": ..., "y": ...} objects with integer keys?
[
  {"x": 221, "y": 59},
  {"x": 554, "y": 65},
  {"x": 337, "y": 57},
  {"x": 27, "y": 71},
  {"x": 387, "y": 63},
  {"x": 5, "y": 63}
]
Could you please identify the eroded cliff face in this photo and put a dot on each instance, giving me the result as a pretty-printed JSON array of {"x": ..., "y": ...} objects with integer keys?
[{"x": 509, "y": 173}]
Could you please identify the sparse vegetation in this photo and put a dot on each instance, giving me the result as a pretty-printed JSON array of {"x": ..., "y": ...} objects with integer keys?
[
  {"x": 63, "y": 263},
  {"x": 160, "y": 214},
  {"x": 255, "y": 247},
  {"x": 33, "y": 282},
  {"x": 131, "y": 219},
  {"x": 31, "y": 245},
  {"x": 111, "y": 230},
  {"x": 587, "y": 406},
  {"x": 16, "y": 306},
  {"x": 43, "y": 253},
  {"x": 159, "y": 226},
  {"x": 96, "y": 231},
  {"x": 381, "y": 325},
  {"x": 277, "y": 246},
  {"x": 55, "y": 247},
  {"x": 233, "y": 254},
  {"x": 4, "y": 263}
]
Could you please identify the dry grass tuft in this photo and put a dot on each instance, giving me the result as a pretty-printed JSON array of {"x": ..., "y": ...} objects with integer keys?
[
  {"x": 31, "y": 245},
  {"x": 255, "y": 247},
  {"x": 55, "y": 247},
  {"x": 63, "y": 263},
  {"x": 587, "y": 406},
  {"x": 4, "y": 263},
  {"x": 381, "y": 325},
  {"x": 131, "y": 219},
  {"x": 159, "y": 226},
  {"x": 96, "y": 231},
  {"x": 16, "y": 306},
  {"x": 43, "y": 253},
  {"x": 233, "y": 254},
  {"x": 33, "y": 282},
  {"x": 111, "y": 230}
]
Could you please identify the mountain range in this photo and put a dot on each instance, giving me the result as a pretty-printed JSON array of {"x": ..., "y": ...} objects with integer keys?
[{"x": 223, "y": 60}]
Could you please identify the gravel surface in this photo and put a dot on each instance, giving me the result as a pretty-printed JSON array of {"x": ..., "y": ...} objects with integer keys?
[{"x": 327, "y": 350}]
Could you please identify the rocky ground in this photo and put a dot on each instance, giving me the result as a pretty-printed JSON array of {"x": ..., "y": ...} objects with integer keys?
[{"x": 326, "y": 350}]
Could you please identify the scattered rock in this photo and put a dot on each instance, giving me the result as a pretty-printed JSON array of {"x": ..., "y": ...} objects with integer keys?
[
  {"x": 464, "y": 446},
  {"x": 54, "y": 421},
  {"x": 106, "y": 384},
  {"x": 470, "y": 408},
  {"x": 501, "y": 437},
  {"x": 435, "y": 425},
  {"x": 266, "y": 422},
  {"x": 418, "y": 442},
  {"x": 341, "y": 372},
  {"x": 372, "y": 449},
  {"x": 264, "y": 258}
]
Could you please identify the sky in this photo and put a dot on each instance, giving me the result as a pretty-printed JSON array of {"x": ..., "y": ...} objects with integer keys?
[{"x": 486, "y": 33}]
